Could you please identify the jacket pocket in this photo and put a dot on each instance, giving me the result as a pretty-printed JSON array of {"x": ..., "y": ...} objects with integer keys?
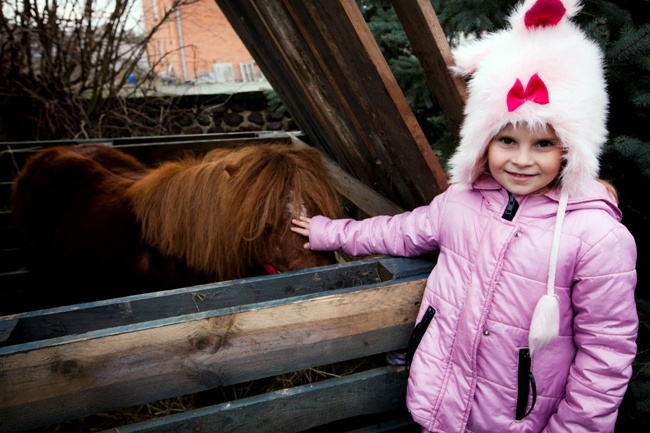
[
  {"x": 418, "y": 333},
  {"x": 525, "y": 383}
]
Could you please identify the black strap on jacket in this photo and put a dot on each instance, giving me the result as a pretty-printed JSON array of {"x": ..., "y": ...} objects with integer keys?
[
  {"x": 418, "y": 333},
  {"x": 525, "y": 383}
]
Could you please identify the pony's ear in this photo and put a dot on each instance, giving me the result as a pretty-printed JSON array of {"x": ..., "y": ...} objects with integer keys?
[{"x": 232, "y": 169}]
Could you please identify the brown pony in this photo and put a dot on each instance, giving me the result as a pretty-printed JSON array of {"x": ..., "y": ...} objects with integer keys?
[{"x": 95, "y": 217}]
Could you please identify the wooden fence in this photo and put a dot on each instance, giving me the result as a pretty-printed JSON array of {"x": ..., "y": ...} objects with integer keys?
[{"x": 69, "y": 362}]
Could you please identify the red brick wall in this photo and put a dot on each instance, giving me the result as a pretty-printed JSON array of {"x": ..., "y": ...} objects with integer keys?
[{"x": 207, "y": 38}]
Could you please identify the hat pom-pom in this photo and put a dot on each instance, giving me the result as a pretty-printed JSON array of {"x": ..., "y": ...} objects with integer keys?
[{"x": 545, "y": 326}]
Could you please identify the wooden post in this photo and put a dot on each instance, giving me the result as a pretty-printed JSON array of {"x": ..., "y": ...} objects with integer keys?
[
  {"x": 323, "y": 62},
  {"x": 432, "y": 50}
]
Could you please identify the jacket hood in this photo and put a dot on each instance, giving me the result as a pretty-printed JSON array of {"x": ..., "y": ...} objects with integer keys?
[{"x": 540, "y": 70}]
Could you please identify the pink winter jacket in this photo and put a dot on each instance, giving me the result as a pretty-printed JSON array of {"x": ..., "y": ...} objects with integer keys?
[{"x": 489, "y": 276}]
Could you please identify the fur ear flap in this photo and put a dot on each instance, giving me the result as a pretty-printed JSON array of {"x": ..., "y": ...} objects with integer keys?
[{"x": 468, "y": 56}]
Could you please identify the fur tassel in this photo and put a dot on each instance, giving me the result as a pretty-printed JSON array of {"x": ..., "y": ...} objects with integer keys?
[{"x": 545, "y": 326}]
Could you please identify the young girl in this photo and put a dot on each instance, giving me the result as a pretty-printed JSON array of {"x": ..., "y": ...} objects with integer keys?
[{"x": 528, "y": 321}]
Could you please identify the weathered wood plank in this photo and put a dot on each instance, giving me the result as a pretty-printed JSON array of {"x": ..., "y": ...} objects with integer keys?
[
  {"x": 291, "y": 410},
  {"x": 148, "y": 151},
  {"x": 402, "y": 425},
  {"x": 8, "y": 235},
  {"x": 155, "y": 153},
  {"x": 39, "y": 144},
  {"x": 366, "y": 199},
  {"x": 69, "y": 377},
  {"x": 7, "y": 327},
  {"x": 12, "y": 259},
  {"x": 432, "y": 49},
  {"x": 324, "y": 63},
  {"x": 5, "y": 194},
  {"x": 83, "y": 318},
  {"x": 195, "y": 137}
]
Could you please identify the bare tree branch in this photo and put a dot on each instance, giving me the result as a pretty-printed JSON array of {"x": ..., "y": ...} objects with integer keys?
[{"x": 71, "y": 59}]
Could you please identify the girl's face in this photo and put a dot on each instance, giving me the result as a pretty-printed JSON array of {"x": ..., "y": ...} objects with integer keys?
[{"x": 524, "y": 160}]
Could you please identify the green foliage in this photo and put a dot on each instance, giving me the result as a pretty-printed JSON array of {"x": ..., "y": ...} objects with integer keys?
[
  {"x": 632, "y": 46},
  {"x": 471, "y": 16},
  {"x": 642, "y": 100},
  {"x": 457, "y": 18},
  {"x": 388, "y": 33},
  {"x": 636, "y": 150},
  {"x": 411, "y": 78},
  {"x": 273, "y": 100}
]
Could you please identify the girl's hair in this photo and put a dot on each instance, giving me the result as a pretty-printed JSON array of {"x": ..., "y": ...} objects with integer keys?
[
  {"x": 610, "y": 188},
  {"x": 482, "y": 168}
]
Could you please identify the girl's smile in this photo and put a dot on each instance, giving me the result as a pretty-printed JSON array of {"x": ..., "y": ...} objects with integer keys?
[{"x": 525, "y": 160}]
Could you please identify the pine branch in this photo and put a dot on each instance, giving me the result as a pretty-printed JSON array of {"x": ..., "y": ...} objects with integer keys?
[
  {"x": 642, "y": 100},
  {"x": 636, "y": 150},
  {"x": 634, "y": 42}
]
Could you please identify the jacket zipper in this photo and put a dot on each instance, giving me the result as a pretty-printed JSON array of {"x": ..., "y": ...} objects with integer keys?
[
  {"x": 418, "y": 333},
  {"x": 525, "y": 382},
  {"x": 511, "y": 208}
]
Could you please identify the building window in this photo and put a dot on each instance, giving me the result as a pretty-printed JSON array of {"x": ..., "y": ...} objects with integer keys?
[
  {"x": 154, "y": 5},
  {"x": 224, "y": 72},
  {"x": 247, "y": 71},
  {"x": 161, "y": 53}
]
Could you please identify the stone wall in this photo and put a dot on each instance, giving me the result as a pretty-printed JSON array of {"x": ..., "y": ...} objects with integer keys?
[
  {"x": 20, "y": 119},
  {"x": 237, "y": 115}
]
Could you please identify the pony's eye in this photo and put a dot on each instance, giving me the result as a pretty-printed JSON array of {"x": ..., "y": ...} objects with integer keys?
[{"x": 268, "y": 229}]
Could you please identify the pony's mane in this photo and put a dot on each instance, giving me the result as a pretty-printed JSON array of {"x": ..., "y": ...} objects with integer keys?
[{"x": 209, "y": 210}]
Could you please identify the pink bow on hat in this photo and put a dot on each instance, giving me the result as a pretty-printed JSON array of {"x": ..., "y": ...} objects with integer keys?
[{"x": 535, "y": 91}]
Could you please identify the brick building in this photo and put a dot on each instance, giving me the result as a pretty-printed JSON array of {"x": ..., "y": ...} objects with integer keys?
[{"x": 196, "y": 43}]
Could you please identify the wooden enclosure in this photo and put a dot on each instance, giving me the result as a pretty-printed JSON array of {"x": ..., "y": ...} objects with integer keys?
[
  {"x": 68, "y": 362},
  {"x": 73, "y": 361}
]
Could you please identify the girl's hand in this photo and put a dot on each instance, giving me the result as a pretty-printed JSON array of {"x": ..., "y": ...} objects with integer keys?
[{"x": 301, "y": 226}]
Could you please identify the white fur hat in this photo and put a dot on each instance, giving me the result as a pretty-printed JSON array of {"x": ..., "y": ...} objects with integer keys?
[{"x": 541, "y": 70}]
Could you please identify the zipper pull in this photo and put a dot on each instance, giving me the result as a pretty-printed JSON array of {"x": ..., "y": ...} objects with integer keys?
[{"x": 511, "y": 208}]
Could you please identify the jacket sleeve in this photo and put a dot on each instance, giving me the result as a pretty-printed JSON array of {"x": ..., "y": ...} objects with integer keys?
[
  {"x": 407, "y": 235},
  {"x": 605, "y": 331}
]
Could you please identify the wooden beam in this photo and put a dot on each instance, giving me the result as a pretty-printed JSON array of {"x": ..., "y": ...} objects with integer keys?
[
  {"x": 80, "y": 319},
  {"x": 63, "y": 378},
  {"x": 292, "y": 410},
  {"x": 432, "y": 49},
  {"x": 323, "y": 62},
  {"x": 366, "y": 199}
]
